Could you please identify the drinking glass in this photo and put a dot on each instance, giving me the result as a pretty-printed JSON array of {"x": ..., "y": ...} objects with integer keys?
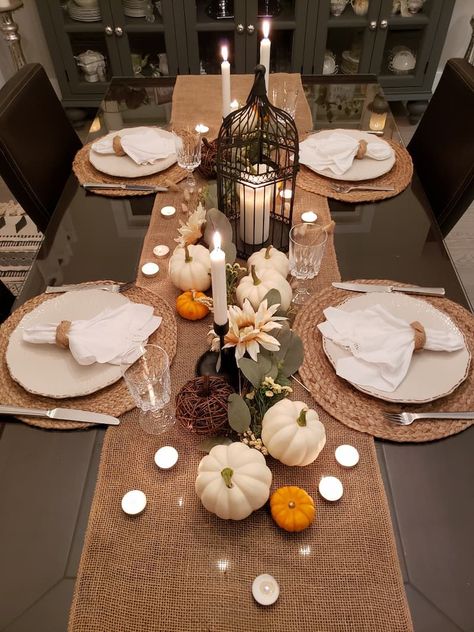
[
  {"x": 307, "y": 245},
  {"x": 188, "y": 152},
  {"x": 285, "y": 98},
  {"x": 149, "y": 383}
]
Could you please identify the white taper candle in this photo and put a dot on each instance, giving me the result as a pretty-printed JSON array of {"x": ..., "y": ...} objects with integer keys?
[
  {"x": 225, "y": 71},
  {"x": 265, "y": 46},
  {"x": 219, "y": 284}
]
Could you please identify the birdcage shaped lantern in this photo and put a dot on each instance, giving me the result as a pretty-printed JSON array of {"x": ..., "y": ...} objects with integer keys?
[{"x": 257, "y": 163}]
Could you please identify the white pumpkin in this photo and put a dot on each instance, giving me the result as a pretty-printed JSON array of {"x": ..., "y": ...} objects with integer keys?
[
  {"x": 292, "y": 433},
  {"x": 190, "y": 268},
  {"x": 233, "y": 480},
  {"x": 270, "y": 259},
  {"x": 256, "y": 285}
]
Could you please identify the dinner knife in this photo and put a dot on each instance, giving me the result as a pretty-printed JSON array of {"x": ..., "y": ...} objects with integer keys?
[
  {"x": 408, "y": 289},
  {"x": 73, "y": 287},
  {"x": 125, "y": 187},
  {"x": 65, "y": 414}
]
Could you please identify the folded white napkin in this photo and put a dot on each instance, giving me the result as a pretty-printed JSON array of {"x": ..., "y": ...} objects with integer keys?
[
  {"x": 337, "y": 152},
  {"x": 113, "y": 336},
  {"x": 381, "y": 345},
  {"x": 145, "y": 145}
]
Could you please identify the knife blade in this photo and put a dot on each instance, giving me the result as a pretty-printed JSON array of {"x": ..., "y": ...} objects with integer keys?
[
  {"x": 65, "y": 414},
  {"x": 408, "y": 289},
  {"x": 74, "y": 287},
  {"x": 125, "y": 187}
]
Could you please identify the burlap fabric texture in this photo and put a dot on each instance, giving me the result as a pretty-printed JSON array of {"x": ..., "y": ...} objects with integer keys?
[
  {"x": 176, "y": 567},
  {"x": 112, "y": 400},
  {"x": 362, "y": 412}
]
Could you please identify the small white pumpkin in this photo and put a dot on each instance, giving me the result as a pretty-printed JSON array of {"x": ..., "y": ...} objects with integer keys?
[
  {"x": 256, "y": 285},
  {"x": 292, "y": 433},
  {"x": 270, "y": 259},
  {"x": 233, "y": 480},
  {"x": 190, "y": 267}
]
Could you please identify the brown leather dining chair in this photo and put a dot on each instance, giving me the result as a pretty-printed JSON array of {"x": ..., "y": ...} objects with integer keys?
[
  {"x": 37, "y": 142},
  {"x": 6, "y": 301},
  {"x": 442, "y": 147}
]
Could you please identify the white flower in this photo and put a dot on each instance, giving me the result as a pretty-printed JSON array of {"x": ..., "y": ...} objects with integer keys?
[
  {"x": 191, "y": 231},
  {"x": 248, "y": 329},
  {"x": 269, "y": 393}
]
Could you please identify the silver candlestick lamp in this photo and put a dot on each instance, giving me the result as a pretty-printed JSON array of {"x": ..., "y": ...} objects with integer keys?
[{"x": 9, "y": 28}]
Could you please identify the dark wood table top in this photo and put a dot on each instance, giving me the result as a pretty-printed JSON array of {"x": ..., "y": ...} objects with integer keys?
[{"x": 47, "y": 478}]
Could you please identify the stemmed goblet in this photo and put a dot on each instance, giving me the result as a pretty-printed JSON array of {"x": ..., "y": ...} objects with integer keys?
[
  {"x": 188, "y": 152},
  {"x": 307, "y": 245},
  {"x": 149, "y": 383}
]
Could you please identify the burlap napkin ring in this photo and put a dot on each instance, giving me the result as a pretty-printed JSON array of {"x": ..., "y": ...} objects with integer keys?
[
  {"x": 419, "y": 335},
  {"x": 362, "y": 149},
  {"x": 62, "y": 331}
]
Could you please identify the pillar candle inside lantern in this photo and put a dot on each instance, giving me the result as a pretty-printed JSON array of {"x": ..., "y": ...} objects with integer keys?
[{"x": 256, "y": 200}]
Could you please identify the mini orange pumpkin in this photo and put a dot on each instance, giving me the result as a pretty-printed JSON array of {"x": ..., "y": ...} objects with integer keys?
[
  {"x": 190, "y": 307},
  {"x": 292, "y": 508}
]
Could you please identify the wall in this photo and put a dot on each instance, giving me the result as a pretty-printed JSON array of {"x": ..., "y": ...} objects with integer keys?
[
  {"x": 33, "y": 43},
  {"x": 459, "y": 35}
]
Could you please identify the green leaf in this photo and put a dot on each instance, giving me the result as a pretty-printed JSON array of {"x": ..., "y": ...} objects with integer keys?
[
  {"x": 238, "y": 413},
  {"x": 230, "y": 250},
  {"x": 256, "y": 372},
  {"x": 215, "y": 220},
  {"x": 291, "y": 353},
  {"x": 211, "y": 195},
  {"x": 207, "y": 444},
  {"x": 272, "y": 297}
]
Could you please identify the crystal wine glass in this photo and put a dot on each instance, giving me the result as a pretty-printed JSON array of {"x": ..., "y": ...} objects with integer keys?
[
  {"x": 188, "y": 152},
  {"x": 307, "y": 245},
  {"x": 149, "y": 383}
]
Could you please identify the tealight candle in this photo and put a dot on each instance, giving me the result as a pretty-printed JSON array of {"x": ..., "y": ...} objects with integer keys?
[
  {"x": 150, "y": 269},
  {"x": 234, "y": 105},
  {"x": 347, "y": 455},
  {"x": 309, "y": 217},
  {"x": 134, "y": 502},
  {"x": 286, "y": 194},
  {"x": 161, "y": 250},
  {"x": 330, "y": 488},
  {"x": 265, "y": 590},
  {"x": 166, "y": 457},
  {"x": 201, "y": 129},
  {"x": 168, "y": 211}
]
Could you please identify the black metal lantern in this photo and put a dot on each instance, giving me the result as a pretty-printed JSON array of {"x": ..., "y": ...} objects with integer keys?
[{"x": 257, "y": 163}]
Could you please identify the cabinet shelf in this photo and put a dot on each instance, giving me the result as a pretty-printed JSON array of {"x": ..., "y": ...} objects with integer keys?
[
  {"x": 137, "y": 25},
  {"x": 351, "y": 21},
  {"x": 396, "y": 21}
]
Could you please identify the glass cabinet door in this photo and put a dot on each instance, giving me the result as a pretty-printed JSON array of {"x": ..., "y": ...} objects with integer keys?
[
  {"x": 147, "y": 44},
  {"x": 405, "y": 36},
  {"x": 345, "y": 37},
  {"x": 210, "y": 25},
  {"x": 287, "y": 20},
  {"x": 89, "y": 55}
]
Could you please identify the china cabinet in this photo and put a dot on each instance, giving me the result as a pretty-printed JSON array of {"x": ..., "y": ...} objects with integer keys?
[{"x": 400, "y": 41}]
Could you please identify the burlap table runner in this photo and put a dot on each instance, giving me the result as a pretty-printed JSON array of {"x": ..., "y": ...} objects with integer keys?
[
  {"x": 197, "y": 99},
  {"x": 176, "y": 567}
]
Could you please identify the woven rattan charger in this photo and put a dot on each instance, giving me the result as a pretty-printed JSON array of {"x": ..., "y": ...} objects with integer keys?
[
  {"x": 112, "y": 400},
  {"x": 86, "y": 172},
  {"x": 399, "y": 177},
  {"x": 360, "y": 411}
]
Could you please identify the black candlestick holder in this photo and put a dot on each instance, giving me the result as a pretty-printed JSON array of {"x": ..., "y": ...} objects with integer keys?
[{"x": 220, "y": 362}]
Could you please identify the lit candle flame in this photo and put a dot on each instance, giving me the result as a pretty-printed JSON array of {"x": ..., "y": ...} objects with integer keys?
[
  {"x": 224, "y": 53},
  {"x": 266, "y": 28},
  {"x": 217, "y": 241}
]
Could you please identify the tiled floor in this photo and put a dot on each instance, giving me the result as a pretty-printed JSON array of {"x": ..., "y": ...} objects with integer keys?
[{"x": 460, "y": 241}]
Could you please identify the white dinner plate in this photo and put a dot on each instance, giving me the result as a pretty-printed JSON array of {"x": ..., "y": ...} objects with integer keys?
[
  {"x": 49, "y": 370},
  {"x": 364, "y": 169},
  {"x": 124, "y": 166},
  {"x": 432, "y": 374}
]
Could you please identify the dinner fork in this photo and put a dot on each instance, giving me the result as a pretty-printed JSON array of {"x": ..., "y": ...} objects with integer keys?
[
  {"x": 405, "y": 419},
  {"x": 347, "y": 188}
]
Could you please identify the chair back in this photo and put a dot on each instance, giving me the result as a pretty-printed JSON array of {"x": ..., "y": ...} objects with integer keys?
[
  {"x": 37, "y": 142},
  {"x": 442, "y": 147},
  {"x": 6, "y": 301}
]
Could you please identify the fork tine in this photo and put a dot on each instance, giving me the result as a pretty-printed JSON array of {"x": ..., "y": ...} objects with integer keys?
[{"x": 392, "y": 416}]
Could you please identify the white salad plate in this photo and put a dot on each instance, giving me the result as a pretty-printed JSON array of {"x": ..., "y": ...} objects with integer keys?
[
  {"x": 432, "y": 374},
  {"x": 124, "y": 166},
  {"x": 364, "y": 169},
  {"x": 49, "y": 370}
]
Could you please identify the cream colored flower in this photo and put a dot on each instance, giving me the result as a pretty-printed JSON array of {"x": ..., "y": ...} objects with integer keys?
[
  {"x": 191, "y": 231},
  {"x": 248, "y": 329}
]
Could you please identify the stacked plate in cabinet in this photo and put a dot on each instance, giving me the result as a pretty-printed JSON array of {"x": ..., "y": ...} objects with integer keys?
[
  {"x": 137, "y": 8},
  {"x": 84, "y": 11}
]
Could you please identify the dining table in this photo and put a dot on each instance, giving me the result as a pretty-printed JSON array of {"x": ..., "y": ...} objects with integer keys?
[{"x": 48, "y": 477}]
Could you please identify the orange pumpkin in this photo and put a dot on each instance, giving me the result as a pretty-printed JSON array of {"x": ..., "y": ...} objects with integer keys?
[
  {"x": 190, "y": 307},
  {"x": 292, "y": 508}
]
